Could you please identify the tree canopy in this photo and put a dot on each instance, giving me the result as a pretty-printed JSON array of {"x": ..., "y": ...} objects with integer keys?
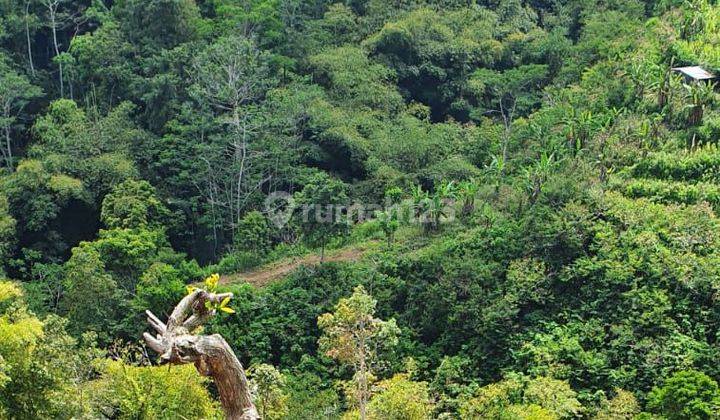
[{"x": 424, "y": 209}]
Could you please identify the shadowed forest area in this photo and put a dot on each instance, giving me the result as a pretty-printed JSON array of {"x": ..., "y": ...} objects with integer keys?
[{"x": 423, "y": 209}]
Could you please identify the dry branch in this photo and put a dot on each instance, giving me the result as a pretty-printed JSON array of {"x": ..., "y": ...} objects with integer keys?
[{"x": 211, "y": 355}]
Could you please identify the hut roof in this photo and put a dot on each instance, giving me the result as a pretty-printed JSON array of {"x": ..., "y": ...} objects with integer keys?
[{"x": 695, "y": 72}]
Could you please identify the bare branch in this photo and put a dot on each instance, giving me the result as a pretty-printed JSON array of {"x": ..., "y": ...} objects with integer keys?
[
  {"x": 154, "y": 343},
  {"x": 211, "y": 355},
  {"x": 155, "y": 322}
]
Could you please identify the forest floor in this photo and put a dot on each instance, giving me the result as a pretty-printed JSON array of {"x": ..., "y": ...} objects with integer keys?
[{"x": 262, "y": 276}]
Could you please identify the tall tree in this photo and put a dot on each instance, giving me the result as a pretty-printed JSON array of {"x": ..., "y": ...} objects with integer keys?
[
  {"x": 509, "y": 94},
  {"x": 322, "y": 207},
  {"x": 353, "y": 336},
  {"x": 155, "y": 25},
  {"x": 16, "y": 92},
  {"x": 268, "y": 384},
  {"x": 231, "y": 77},
  {"x": 28, "y": 41},
  {"x": 56, "y": 22}
]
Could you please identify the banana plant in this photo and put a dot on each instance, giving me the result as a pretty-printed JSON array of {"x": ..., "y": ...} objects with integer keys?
[
  {"x": 420, "y": 199},
  {"x": 694, "y": 19},
  {"x": 699, "y": 95},
  {"x": 442, "y": 200},
  {"x": 447, "y": 191},
  {"x": 437, "y": 209},
  {"x": 495, "y": 170},
  {"x": 536, "y": 176},
  {"x": 389, "y": 223},
  {"x": 467, "y": 191}
]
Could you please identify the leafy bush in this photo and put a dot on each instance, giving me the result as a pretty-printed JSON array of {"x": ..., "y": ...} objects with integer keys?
[
  {"x": 686, "y": 395},
  {"x": 673, "y": 191},
  {"x": 131, "y": 392},
  {"x": 238, "y": 261},
  {"x": 700, "y": 165},
  {"x": 253, "y": 234}
]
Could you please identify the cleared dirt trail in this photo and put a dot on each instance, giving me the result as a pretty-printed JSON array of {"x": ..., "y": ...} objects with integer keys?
[{"x": 262, "y": 276}]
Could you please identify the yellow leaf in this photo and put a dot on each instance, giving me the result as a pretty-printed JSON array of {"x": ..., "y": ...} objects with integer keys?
[
  {"x": 228, "y": 310},
  {"x": 190, "y": 289},
  {"x": 225, "y": 302},
  {"x": 212, "y": 281}
]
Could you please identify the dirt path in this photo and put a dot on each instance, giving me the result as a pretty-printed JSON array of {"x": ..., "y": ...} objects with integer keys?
[{"x": 263, "y": 276}]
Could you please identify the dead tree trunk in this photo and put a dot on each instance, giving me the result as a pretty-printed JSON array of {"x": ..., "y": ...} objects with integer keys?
[{"x": 211, "y": 354}]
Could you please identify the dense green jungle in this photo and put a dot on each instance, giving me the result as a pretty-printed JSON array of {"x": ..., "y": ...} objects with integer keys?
[{"x": 388, "y": 209}]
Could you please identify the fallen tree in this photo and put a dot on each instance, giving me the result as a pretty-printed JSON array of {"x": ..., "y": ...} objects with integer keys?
[{"x": 211, "y": 354}]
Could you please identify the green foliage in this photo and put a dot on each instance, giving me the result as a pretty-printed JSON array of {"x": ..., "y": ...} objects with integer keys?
[
  {"x": 92, "y": 148},
  {"x": 416, "y": 150},
  {"x": 539, "y": 398},
  {"x": 238, "y": 261},
  {"x": 264, "y": 16},
  {"x": 433, "y": 53},
  {"x": 700, "y": 165},
  {"x": 92, "y": 297},
  {"x": 122, "y": 268},
  {"x": 132, "y": 204},
  {"x": 686, "y": 395},
  {"x": 389, "y": 222},
  {"x": 320, "y": 209},
  {"x": 129, "y": 252},
  {"x": 451, "y": 384},
  {"x": 16, "y": 92},
  {"x": 354, "y": 337},
  {"x": 280, "y": 321},
  {"x": 353, "y": 80},
  {"x": 55, "y": 193},
  {"x": 37, "y": 197},
  {"x": 7, "y": 229},
  {"x": 400, "y": 398},
  {"x": 19, "y": 339},
  {"x": 160, "y": 288},
  {"x": 308, "y": 395},
  {"x": 230, "y": 72},
  {"x": 103, "y": 60},
  {"x": 513, "y": 91},
  {"x": 623, "y": 405},
  {"x": 132, "y": 392},
  {"x": 180, "y": 19},
  {"x": 254, "y": 234},
  {"x": 40, "y": 365},
  {"x": 673, "y": 192},
  {"x": 584, "y": 171},
  {"x": 268, "y": 384},
  {"x": 349, "y": 332}
]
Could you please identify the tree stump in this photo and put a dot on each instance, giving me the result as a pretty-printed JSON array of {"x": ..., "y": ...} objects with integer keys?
[{"x": 211, "y": 355}]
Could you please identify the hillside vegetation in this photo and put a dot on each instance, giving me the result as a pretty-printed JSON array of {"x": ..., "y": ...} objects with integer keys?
[{"x": 425, "y": 209}]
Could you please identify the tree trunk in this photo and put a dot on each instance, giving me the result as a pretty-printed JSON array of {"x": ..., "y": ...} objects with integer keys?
[
  {"x": 696, "y": 115},
  {"x": 211, "y": 355},
  {"x": 53, "y": 22},
  {"x": 8, "y": 147},
  {"x": 362, "y": 378},
  {"x": 27, "y": 38}
]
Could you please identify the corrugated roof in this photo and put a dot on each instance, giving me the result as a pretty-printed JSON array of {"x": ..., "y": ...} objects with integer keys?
[{"x": 695, "y": 72}]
